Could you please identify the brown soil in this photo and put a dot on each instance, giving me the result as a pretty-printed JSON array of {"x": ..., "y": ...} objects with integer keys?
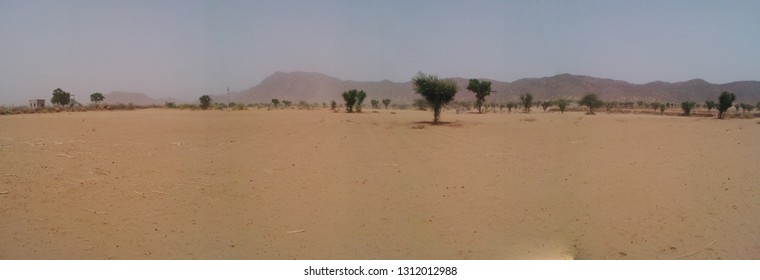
[{"x": 290, "y": 184}]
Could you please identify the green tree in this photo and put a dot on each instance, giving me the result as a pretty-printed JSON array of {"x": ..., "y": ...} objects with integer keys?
[
  {"x": 60, "y": 97},
  {"x": 375, "y": 103},
  {"x": 205, "y": 101},
  {"x": 527, "y": 100},
  {"x": 710, "y": 105},
  {"x": 333, "y": 105},
  {"x": 350, "y": 98},
  {"x": 687, "y": 107},
  {"x": 437, "y": 92},
  {"x": 481, "y": 90},
  {"x": 725, "y": 101},
  {"x": 386, "y": 102},
  {"x": 510, "y": 106},
  {"x": 96, "y": 98},
  {"x": 591, "y": 101},
  {"x": 546, "y": 104},
  {"x": 360, "y": 100},
  {"x": 275, "y": 102},
  {"x": 562, "y": 104}
]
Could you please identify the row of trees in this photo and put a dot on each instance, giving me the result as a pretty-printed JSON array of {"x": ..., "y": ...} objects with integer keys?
[{"x": 63, "y": 98}]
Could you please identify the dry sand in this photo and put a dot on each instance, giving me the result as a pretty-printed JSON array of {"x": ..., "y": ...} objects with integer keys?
[{"x": 289, "y": 184}]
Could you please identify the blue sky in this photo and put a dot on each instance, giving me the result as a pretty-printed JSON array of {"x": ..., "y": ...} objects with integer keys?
[{"x": 184, "y": 49}]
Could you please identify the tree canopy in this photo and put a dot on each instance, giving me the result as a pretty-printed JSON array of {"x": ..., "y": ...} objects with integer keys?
[
  {"x": 481, "y": 90},
  {"x": 436, "y": 92}
]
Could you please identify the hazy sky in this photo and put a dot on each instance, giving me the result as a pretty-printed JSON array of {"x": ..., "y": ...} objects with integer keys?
[{"x": 186, "y": 48}]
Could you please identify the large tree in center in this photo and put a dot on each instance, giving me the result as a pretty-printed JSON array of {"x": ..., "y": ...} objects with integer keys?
[
  {"x": 437, "y": 92},
  {"x": 60, "y": 97},
  {"x": 481, "y": 90},
  {"x": 725, "y": 101}
]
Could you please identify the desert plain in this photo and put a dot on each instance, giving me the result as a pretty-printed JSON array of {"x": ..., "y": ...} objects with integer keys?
[{"x": 314, "y": 184}]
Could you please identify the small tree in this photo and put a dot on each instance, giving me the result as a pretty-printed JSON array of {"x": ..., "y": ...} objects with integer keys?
[
  {"x": 333, "y": 104},
  {"x": 546, "y": 104},
  {"x": 386, "y": 102},
  {"x": 562, "y": 104},
  {"x": 481, "y": 90},
  {"x": 275, "y": 102},
  {"x": 436, "y": 92},
  {"x": 375, "y": 103},
  {"x": 510, "y": 106},
  {"x": 360, "y": 100},
  {"x": 687, "y": 107},
  {"x": 60, "y": 97},
  {"x": 96, "y": 98},
  {"x": 655, "y": 106},
  {"x": 710, "y": 105},
  {"x": 724, "y": 102},
  {"x": 527, "y": 100},
  {"x": 591, "y": 101},
  {"x": 350, "y": 98},
  {"x": 609, "y": 105},
  {"x": 205, "y": 101},
  {"x": 287, "y": 103}
]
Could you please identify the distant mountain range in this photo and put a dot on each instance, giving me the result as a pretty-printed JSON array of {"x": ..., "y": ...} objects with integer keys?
[{"x": 316, "y": 87}]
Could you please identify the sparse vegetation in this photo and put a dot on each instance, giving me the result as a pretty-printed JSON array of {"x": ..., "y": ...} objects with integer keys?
[
  {"x": 725, "y": 101},
  {"x": 510, "y": 106},
  {"x": 481, "y": 90},
  {"x": 170, "y": 105},
  {"x": 286, "y": 104},
  {"x": 437, "y": 92},
  {"x": 662, "y": 108},
  {"x": 420, "y": 104},
  {"x": 609, "y": 105},
  {"x": 375, "y": 103},
  {"x": 333, "y": 105},
  {"x": 205, "y": 101},
  {"x": 562, "y": 104},
  {"x": 275, "y": 103},
  {"x": 687, "y": 107},
  {"x": 591, "y": 101},
  {"x": 546, "y": 104},
  {"x": 360, "y": 100},
  {"x": 527, "y": 100},
  {"x": 386, "y": 102},
  {"x": 710, "y": 105}
]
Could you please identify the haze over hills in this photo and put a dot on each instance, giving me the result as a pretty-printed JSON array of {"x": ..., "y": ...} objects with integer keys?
[
  {"x": 317, "y": 87},
  {"x": 135, "y": 98}
]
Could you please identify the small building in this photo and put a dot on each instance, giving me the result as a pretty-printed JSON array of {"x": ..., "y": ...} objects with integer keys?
[{"x": 36, "y": 103}]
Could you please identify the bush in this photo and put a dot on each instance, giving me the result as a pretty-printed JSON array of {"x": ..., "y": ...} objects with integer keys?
[
  {"x": 724, "y": 102},
  {"x": 591, "y": 101},
  {"x": 527, "y": 100},
  {"x": 170, "y": 105},
  {"x": 687, "y": 107},
  {"x": 205, "y": 101}
]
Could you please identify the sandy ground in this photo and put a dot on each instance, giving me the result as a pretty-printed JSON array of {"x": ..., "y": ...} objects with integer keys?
[{"x": 290, "y": 184}]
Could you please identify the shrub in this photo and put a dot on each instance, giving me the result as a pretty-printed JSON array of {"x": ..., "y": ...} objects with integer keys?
[
  {"x": 386, "y": 102},
  {"x": 510, "y": 106},
  {"x": 724, "y": 102},
  {"x": 687, "y": 107},
  {"x": 527, "y": 100},
  {"x": 286, "y": 104},
  {"x": 562, "y": 104},
  {"x": 546, "y": 104},
  {"x": 591, "y": 101},
  {"x": 350, "y": 98},
  {"x": 375, "y": 103},
  {"x": 170, "y": 105},
  {"x": 275, "y": 102}
]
